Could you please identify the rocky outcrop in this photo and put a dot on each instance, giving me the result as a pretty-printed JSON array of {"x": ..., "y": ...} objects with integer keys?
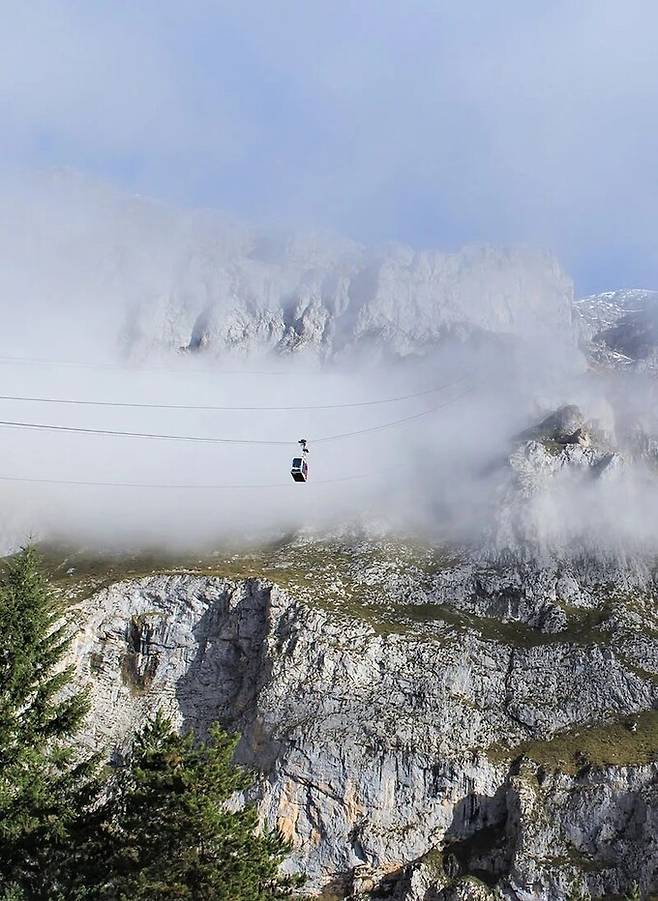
[
  {"x": 559, "y": 836},
  {"x": 619, "y": 329}
]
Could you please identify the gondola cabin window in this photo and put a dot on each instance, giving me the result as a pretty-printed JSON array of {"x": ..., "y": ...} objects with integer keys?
[{"x": 299, "y": 469}]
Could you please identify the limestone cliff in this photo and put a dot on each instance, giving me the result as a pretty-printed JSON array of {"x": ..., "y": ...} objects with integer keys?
[
  {"x": 385, "y": 741},
  {"x": 404, "y": 747}
]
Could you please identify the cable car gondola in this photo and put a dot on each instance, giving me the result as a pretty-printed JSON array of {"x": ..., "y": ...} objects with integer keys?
[{"x": 299, "y": 469}]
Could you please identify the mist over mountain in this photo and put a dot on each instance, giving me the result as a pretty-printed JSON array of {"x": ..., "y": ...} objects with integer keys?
[
  {"x": 170, "y": 280},
  {"x": 200, "y": 311}
]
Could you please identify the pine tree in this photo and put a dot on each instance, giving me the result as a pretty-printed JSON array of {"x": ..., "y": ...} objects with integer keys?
[
  {"x": 45, "y": 789},
  {"x": 175, "y": 838},
  {"x": 159, "y": 830}
]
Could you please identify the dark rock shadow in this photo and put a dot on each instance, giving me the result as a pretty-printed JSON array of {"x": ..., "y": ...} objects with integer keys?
[
  {"x": 231, "y": 664},
  {"x": 477, "y": 842}
]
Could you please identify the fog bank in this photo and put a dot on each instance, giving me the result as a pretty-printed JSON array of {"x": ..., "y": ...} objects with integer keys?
[{"x": 114, "y": 300}]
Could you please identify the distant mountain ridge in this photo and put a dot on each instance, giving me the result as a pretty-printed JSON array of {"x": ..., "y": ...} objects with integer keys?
[
  {"x": 619, "y": 329},
  {"x": 162, "y": 279},
  {"x": 398, "y": 302}
]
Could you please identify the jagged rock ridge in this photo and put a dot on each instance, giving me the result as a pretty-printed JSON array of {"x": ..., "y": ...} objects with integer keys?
[{"x": 155, "y": 280}]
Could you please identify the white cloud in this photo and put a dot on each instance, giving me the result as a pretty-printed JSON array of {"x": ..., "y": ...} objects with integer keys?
[{"x": 425, "y": 121}]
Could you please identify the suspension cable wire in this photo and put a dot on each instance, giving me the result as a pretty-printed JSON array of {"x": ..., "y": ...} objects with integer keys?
[
  {"x": 388, "y": 425},
  {"x": 212, "y": 408},
  {"x": 79, "y": 430},
  {"x": 37, "y": 426},
  {"x": 178, "y": 487},
  {"x": 116, "y": 367}
]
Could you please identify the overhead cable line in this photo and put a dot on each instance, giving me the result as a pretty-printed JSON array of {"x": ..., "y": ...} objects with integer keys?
[
  {"x": 37, "y": 426},
  {"x": 388, "y": 425},
  {"x": 176, "y": 487},
  {"x": 182, "y": 370},
  {"x": 212, "y": 408}
]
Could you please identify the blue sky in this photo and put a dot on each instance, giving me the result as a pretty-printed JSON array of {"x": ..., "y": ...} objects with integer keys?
[{"x": 433, "y": 123}]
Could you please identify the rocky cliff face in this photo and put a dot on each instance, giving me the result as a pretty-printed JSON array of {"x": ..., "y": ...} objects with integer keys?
[
  {"x": 428, "y": 722},
  {"x": 404, "y": 749},
  {"x": 397, "y": 302}
]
